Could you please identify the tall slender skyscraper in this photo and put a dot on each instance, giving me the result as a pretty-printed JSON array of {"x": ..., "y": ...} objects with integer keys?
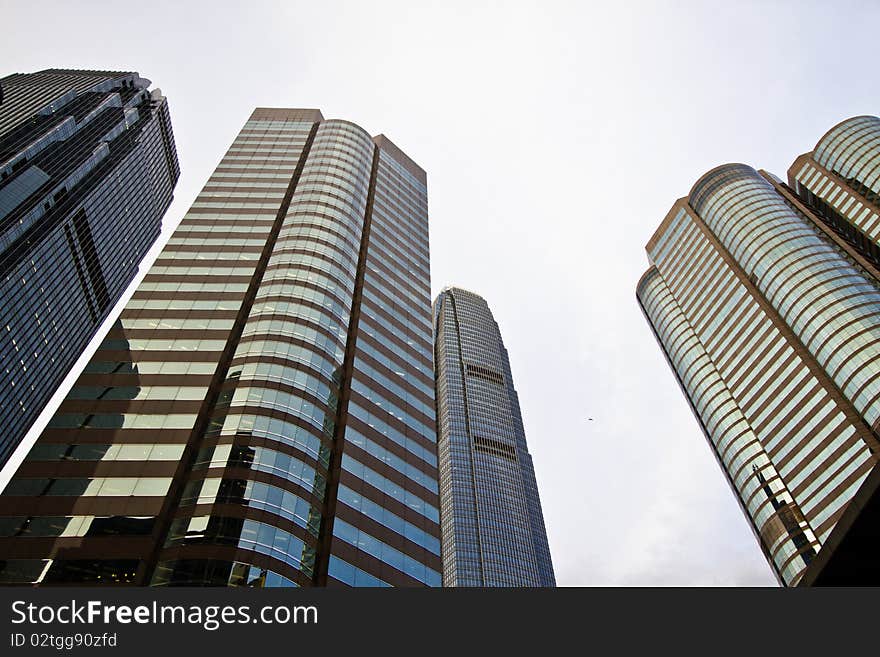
[
  {"x": 263, "y": 412},
  {"x": 770, "y": 318},
  {"x": 87, "y": 170},
  {"x": 491, "y": 519}
]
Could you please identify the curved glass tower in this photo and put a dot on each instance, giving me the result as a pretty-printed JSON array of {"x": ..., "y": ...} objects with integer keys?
[
  {"x": 493, "y": 527},
  {"x": 263, "y": 412},
  {"x": 771, "y": 323}
]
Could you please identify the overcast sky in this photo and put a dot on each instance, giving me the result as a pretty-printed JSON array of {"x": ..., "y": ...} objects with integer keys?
[{"x": 556, "y": 136}]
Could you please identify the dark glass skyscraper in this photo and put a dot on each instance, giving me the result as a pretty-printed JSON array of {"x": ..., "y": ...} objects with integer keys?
[
  {"x": 87, "y": 170},
  {"x": 766, "y": 301},
  {"x": 263, "y": 412},
  {"x": 491, "y": 519}
]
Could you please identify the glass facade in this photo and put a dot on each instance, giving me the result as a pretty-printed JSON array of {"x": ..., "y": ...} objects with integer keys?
[
  {"x": 268, "y": 387},
  {"x": 771, "y": 328},
  {"x": 840, "y": 182},
  {"x": 491, "y": 518},
  {"x": 87, "y": 170}
]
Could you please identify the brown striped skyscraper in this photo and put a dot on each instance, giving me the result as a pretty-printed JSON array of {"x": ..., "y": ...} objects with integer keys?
[
  {"x": 765, "y": 299},
  {"x": 263, "y": 412}
]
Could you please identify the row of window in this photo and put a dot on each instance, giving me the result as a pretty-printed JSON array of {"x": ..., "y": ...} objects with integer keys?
[
  {"x": 122, "y": 421},
  {"x": 276, "y": 429},
  {"x": 385, "y": 553},
  {"x": 151, "y": 367},
  {"x": 263, "y": 459},
  {"x": 256, "y": 495},
  {"x": 244, "y": 534},
  {"x": 76, "y": 526},
  {"x": 390, "y": 459},
  {"x": 385, "y": 517},
  {"x": 89, "y": 487},
  {"x": 162, "y": 344},
  {"x": 211, "y": 572},
  {"x": 381, "y": 427},
  {"x": 137, "y": 393},
  {"x": 402, "y": 495},
  {"x": 43, "y": 451}
]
